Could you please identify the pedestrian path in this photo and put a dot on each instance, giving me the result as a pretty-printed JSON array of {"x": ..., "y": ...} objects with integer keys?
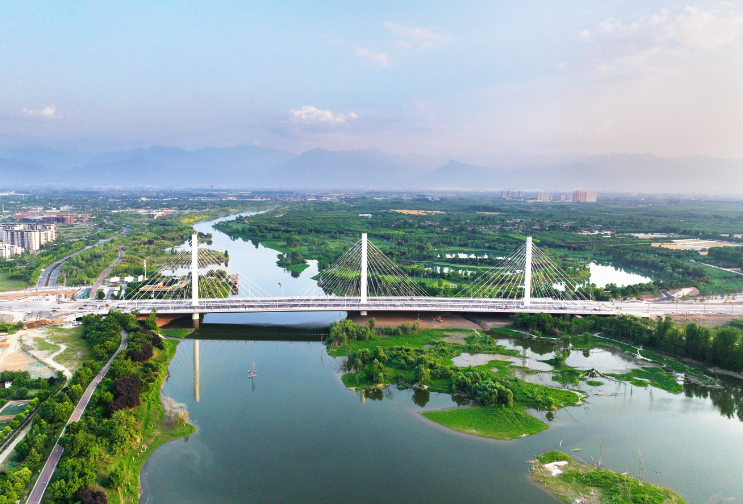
[{"x": 51, "y": 463}]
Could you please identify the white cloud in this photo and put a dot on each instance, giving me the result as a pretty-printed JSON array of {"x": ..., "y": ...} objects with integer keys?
[
  {"x": 379, "y": 59},
  {"x": 416, "y": 37},
  {"x": 45, "y": 112},
  {"x": 667, "y": 36},
  {"x": 312, "y": 115}
]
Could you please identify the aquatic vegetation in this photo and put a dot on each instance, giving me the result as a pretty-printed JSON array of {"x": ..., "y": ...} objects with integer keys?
[{"x": 570, "y": 481}]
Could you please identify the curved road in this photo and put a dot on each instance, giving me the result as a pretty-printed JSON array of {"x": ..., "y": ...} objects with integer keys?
[
  {"x": 51, "y": 463},
  {"x": 49, "y": 276},
  {"x": 97, "y": 284}
]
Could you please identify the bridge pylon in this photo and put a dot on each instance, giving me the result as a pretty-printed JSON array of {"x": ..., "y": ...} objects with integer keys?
[
  {"x": 195, "y": 277},
  {"x": 527, "y": 272},
  {"x": 363, "y": 288}
]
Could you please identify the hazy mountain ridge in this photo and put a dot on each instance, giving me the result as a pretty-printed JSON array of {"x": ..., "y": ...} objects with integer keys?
[{"x": 252, "y": 167}]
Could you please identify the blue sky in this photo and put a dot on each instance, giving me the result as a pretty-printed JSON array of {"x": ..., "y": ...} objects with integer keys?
[{"x": 427, "y": 77}]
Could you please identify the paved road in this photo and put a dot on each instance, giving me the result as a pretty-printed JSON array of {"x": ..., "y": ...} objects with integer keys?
[
  {"x": 51, "y": 463},
  {"x": 97, "y": 284},
  {"x": 49, "y": 276}
]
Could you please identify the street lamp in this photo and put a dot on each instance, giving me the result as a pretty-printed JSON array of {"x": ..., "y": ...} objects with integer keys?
[{"x": 145, "y": 267}]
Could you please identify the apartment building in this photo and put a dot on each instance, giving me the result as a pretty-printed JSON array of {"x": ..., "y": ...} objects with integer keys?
[{"x": 28, "y": 236}]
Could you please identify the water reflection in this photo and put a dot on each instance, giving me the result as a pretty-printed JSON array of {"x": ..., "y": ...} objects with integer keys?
[{"x": 421, "y": 397}]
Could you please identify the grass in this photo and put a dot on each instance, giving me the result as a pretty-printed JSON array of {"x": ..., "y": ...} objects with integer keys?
[
  {"x": 44, "y": 346},
  {"x": 77, "y": 350},
  {"x": 7, "y": 284},
  {"x": 594, "y": 383},
  {"x": 176, "y": 333},
  {"x": 495, "y": 422},
  {"x": 610, "y": 487},
  {"x": 654, "y": 376}
]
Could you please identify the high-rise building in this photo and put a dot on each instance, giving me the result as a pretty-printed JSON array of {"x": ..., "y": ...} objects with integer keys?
[
  {"x": 511, "y": 194},
  {"x": 579, "y": 196},
  {"x": 7, "y": 251},
  {"x": 545, "y": 197},
  {"x": 29, "y": 236},
  {"x": 566, "y": 197},
  {"x": 590, "y": 197}
]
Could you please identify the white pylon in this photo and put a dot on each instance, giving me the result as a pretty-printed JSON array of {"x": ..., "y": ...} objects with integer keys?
[
  {"x": 362, "y": 287},
  {"x": 527, "y": 273},
  {"x": 194, "y": 269}
]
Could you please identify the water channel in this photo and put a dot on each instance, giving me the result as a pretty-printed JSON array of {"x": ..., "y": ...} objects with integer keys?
[{"x": 296, "y": 434}]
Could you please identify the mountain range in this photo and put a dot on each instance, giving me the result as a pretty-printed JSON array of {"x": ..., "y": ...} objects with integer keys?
[{"x": 251, "y": 167}]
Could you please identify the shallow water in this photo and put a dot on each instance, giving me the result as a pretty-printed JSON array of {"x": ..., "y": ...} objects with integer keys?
[{"x": 466, "y": 359}]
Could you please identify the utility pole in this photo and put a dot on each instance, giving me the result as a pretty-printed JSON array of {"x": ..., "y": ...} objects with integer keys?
[
  {"x": 363, "y": 287},
  {"x": 527, "y": 273}
]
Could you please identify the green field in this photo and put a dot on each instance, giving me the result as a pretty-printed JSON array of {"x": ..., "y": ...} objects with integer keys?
[
  {"x": 7, "y": 284},
  {"x": 496, "y": 422}
]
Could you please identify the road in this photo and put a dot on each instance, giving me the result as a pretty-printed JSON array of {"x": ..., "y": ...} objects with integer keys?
[
  {"x": 97, "y": 284},
  {"x": 49, "y": 276},
  {"x": 51, "y": 463}
]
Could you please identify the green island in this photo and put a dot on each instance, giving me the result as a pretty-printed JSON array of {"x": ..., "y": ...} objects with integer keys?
[
  {"x": 408, "y": 356},
  {"x": 574, "y": 482}
]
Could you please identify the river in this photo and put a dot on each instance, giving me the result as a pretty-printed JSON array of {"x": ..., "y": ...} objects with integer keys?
[{"x": 296, "y": 434}]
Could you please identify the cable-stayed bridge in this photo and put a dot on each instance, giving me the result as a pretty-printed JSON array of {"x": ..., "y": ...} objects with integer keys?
[{"x": 196, "y": 280}]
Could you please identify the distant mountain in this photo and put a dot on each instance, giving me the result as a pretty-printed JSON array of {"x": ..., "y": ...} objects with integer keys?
[
  {"x": 241, "y": 160},
  {"x": 320, "y": 169},
  {"x": 56, "y": 159},
  {"x": 15, "y": 173},
  {"x": 611, "y": 173},
  {"x": 251, "y": 167}
]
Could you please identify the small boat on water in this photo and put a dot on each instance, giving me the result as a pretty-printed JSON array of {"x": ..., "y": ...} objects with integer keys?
[{"x": 252, "y": 373}]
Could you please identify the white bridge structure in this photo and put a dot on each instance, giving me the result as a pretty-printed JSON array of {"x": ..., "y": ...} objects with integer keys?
[{"x": 197, "y": 280}]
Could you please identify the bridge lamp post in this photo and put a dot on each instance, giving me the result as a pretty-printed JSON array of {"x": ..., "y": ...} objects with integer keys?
[{"x": 145, "y": 267}]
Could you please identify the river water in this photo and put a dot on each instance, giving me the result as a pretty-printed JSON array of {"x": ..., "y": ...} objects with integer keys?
[{"x": 296, "y": 434}]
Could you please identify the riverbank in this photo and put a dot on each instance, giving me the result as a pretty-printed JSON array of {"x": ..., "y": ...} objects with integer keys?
[
  {"x": 576, "y": 483},
  {"x": 155, "y": 429}
]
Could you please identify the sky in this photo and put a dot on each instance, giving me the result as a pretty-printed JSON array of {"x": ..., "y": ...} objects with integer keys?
[{"x": 428, "y": 77}]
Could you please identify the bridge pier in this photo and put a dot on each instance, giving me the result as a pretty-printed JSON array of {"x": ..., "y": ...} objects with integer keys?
[{"x": 195, "y": 319}]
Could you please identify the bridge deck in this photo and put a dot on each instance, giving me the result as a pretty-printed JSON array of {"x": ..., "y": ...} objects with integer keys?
[{"x": 308, "y": 304}]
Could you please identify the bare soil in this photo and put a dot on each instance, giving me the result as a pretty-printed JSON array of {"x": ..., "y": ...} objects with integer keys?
[{"x": 705, "y": 320}]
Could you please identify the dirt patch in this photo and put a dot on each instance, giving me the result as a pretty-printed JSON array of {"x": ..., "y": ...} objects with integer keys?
[
  {"x": 457, "y": 338},
  {"x": 417, "y": 212},
  {"x": 704, "y": 320},
  {"x": 488, "y": 321},
  {"x": 426, "y": 320}
]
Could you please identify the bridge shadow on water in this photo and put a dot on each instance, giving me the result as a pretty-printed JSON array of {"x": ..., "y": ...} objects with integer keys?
[{"x": 241, "y": 332}]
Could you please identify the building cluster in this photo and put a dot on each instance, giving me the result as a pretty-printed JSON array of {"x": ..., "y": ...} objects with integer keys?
[
  {"x": 19, "y": 237},
  {"x": 576, "y": 196},
  {"x": 68, "y": 218},
  {"x": 511, "y": 194}
]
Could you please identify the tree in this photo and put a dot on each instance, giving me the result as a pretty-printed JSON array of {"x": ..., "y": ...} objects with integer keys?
[
  {"x": 422, "y": 374},
  {"x": 372, "y": 322}
]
